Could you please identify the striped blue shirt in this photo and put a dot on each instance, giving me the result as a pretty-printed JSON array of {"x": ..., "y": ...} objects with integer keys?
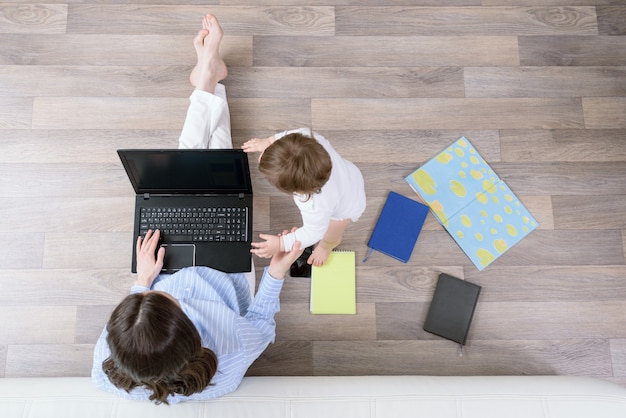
[{"x": 219, "y": 304}]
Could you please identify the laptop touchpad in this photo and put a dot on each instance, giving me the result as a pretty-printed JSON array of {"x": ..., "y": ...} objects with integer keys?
[{"x": 179, "y": 256}]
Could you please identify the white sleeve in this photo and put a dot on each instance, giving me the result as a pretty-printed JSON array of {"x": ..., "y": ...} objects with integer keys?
[
  {"x": 314, "y": 226},
  {"x": 303, "y": 131}
]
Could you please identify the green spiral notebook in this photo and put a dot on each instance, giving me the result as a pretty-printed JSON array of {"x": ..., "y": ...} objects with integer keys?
[{"x": 333, "y": 286}]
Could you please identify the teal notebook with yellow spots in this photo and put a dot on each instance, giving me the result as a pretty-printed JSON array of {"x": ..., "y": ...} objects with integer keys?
[{"x": 473, "y": 204}]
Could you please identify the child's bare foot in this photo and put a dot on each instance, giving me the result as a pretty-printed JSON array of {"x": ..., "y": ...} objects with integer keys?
[
  {"x": 210, "y": 68},
  {"x": 319, "y": 256},
  {"x": 332, "y": 238}
]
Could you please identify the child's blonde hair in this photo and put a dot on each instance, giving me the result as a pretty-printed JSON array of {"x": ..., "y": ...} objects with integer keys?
[{"x": 296, "y": 164}]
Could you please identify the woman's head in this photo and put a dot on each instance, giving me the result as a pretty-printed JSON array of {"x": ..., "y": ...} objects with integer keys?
[
  {"x": 296, "y": 164},
  {"x": 154, "y": 344}
]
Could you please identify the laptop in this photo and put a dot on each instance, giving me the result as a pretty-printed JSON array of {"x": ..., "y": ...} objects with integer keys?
[{"x": 200, "y": 200}]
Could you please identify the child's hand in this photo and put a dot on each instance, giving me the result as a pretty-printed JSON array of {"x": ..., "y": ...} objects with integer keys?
[
  {"x": 267, "y": 248},
  {"x": 258, "y": 144}
]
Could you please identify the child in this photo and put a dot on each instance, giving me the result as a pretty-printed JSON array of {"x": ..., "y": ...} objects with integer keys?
[{"x": 328, "y": 190}]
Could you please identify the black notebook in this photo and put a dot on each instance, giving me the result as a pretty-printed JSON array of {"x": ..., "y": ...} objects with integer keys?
[{"x": 452, "y": 308}]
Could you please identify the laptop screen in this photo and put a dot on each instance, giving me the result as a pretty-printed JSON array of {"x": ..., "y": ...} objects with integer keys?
[{"x": 187, "y": 171}]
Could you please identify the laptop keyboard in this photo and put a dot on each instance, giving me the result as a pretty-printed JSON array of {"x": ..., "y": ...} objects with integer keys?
[{"x": 184, "y": 224}]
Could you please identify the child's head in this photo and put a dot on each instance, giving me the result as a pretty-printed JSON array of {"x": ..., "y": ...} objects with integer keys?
[{"x": 296, "y": 164}]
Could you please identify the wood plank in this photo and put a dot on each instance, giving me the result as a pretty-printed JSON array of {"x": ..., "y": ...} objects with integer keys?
[
  {"x": 605, "y": 113},
  {"x": 542, "y": 3},
  {"x": 54, "y": 324},
  {"x": 142, "y": 19},
  {"x": 108, "y": 112},
  {"x": 441, "y": 358},
  {"x": 3, "y": 359},
  {"x": 47, "y": 360},
  {"x": 92, "y": 319},
  {"x": 611, "y": 20},
  {"x": 349, "y": 2},
  {"x": 94, "y": 146},
  {"x": 124, "y": 50},
  {"x": 545, "y": 81},
  {"x": 58, "y": 180},
  {"x": 296, "y": 320},
  {"x": 277, "y": 115},
  {"x": 284, "y": 358},
  {"x": 572, "y": 50},
  {"x": 485, "y": 21},
  {"x": 567, "y": 145},
  {"x": 261, "y": 213},
  {"x": 521, "y": 113},
  {"x": 558, "y": 283},
  {"x": 16, "y": 112},
  {"x": 618, "y": 354},
  {"x": 79, "y": 80},
  {"x": 590, "y": 212},
  {"x": 563, "y": 178},
  {"x": 286, "y": 82},
  {"x": 64, "y": 287},
  {"x": 391, "y": 282},
  {"x": 70, "y": 214},
  {"x": 402, "y": 320},
  {"x": 85, "y": 250},
  {"x": 354, "y": 51},
  {"x": 33, "y": 18},
  {"x": 568, "y": 319},
  {"x": 21, "y": 251}
]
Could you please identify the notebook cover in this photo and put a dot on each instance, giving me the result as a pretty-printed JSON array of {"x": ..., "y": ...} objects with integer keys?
[
  {"x": 333, "y": 285},
  {"x": 473, "y": 204},
  {"x": 399, "y": 224},
  {"x": 452, "y": 308}
]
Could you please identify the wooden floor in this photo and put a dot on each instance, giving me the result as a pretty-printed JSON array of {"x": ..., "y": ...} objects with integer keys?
[{"x": 539, "y": 87}]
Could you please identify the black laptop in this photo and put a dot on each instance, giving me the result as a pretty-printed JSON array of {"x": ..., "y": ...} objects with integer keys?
[{"x": 200, "y": 200}]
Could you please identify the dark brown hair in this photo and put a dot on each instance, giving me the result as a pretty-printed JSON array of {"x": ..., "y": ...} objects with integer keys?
[
  {"x": 155, "y": 345},
  {"x": 296, "y": 163}
]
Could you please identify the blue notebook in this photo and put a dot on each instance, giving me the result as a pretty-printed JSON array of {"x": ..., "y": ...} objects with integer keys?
[{"x": 398, "y": 226}]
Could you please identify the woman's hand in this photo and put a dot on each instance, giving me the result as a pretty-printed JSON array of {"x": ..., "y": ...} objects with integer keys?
[
  {"x": 282, "y": 261},
  {"x": 149, "y": 266}
]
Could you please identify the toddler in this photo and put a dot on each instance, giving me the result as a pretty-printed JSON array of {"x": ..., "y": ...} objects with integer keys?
[{"x": 328, "y": 190}]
